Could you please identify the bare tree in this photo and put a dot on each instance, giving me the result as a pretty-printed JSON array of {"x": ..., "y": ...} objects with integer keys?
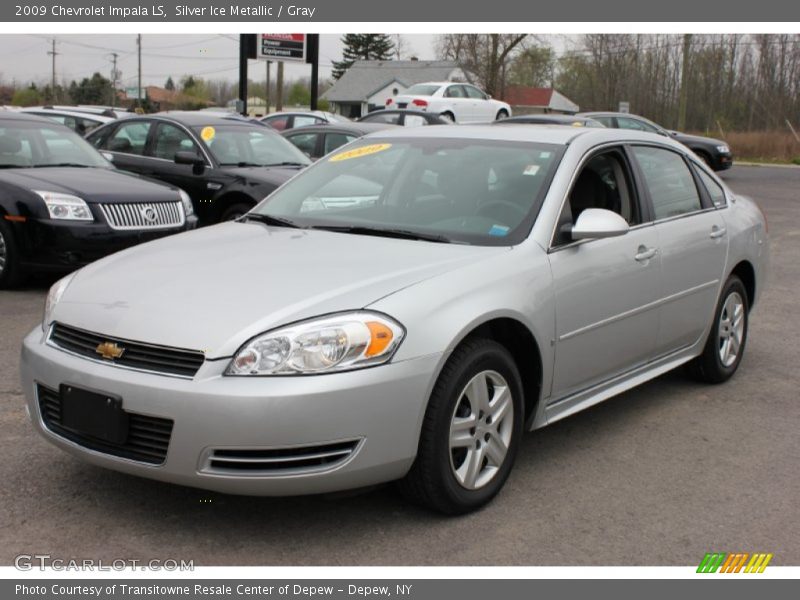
[{"x": 484, "y": 58}]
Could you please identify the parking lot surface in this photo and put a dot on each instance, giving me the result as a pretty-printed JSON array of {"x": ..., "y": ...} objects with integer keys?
[{"x": 657, "y": 476}]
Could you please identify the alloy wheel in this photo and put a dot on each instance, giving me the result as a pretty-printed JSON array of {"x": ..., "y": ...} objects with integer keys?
[
  {"x": 481, "y": 429},
  {"x": 731, "y": 329}
]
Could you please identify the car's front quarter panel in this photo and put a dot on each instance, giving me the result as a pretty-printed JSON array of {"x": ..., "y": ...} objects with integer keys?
[{"x": 440, "y": 312}]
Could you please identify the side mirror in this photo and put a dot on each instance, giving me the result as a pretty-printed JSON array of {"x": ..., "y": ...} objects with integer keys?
[
  {"x": 671, "y": 133},
  {"x": 596, "y": 223},
  {"x": 185, "y": 157}
]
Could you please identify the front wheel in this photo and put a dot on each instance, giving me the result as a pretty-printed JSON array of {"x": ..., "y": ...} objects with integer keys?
[
  {"x": 10, "y": 275},
  {"x": 726, "y": 340},
  {"x": 471, "y": 431},
  {"x": 502, "y": 114},
  {"x": 234, "y": 211}
]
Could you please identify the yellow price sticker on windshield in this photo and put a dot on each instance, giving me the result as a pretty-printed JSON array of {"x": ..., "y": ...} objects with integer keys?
[
  {"x": 208, "y": 134},
  {"x": 359, "y": 152}
]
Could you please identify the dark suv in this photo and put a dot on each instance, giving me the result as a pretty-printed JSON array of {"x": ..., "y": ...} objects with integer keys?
[
  {"x": 62, "y": 205},
  {"x": 715, "y": 153}
]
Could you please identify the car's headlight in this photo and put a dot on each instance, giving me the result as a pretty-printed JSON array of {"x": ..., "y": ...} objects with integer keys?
[
  {"x": 188, "y": 207},
  {"x": 723, "y": 149},
  {"x": 334, "y": 343},
  {"x": 66, "y": 206},
  {"x": 53, "y": 296}
]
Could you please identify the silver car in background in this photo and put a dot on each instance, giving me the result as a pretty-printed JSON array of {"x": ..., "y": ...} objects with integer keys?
[{"x": 402, "y": 310}]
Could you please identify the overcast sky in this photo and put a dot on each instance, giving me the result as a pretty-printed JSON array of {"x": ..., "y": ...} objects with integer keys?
[{"x": 208, "y": 56}]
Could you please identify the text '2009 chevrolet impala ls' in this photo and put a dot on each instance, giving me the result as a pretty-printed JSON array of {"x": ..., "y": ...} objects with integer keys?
[{"x": 402, "y": 310}]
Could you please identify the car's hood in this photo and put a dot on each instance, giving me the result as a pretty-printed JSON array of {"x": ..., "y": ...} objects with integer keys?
[
  {"x": 272, "y": 175},
  {"x": 683, "y": 138},
  {"x": 91, "y": 184},
  {"x": 214, "y": 288}
]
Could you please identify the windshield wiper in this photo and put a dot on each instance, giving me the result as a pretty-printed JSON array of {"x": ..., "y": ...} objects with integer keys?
[
  {"x": 10, "y": 166},
  {"x": 240, "y": 164},
  {"x": 404, "y": 234},
  {"x": 270, "y": 220},
  {"x": 61, "y": 164},
  {"x": 287, "y": 163}
]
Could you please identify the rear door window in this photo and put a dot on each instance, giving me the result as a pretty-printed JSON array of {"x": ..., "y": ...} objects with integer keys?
[{"x": 672, "y": 188}]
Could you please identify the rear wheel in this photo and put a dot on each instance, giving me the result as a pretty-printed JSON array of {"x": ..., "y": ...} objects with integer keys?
[
  {"x": 471, "y": 431},
  {"x": 726, "y": 341},
  {"x": 10, "y": 275},
  {"x": 448, "y": 116}
]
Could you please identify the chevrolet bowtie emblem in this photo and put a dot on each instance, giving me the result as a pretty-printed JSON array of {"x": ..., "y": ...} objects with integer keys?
[{"x": 109, "y": 350}]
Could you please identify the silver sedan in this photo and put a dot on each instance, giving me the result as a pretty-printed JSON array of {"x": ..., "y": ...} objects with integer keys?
[{"x": 402, "y": 310}]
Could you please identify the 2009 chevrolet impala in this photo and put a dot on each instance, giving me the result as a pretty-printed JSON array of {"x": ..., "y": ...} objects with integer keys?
[{"x": 402, "y": 310}]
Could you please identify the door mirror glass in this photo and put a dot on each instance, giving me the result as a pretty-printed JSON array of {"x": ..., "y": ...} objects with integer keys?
[{"x": 595, "y": 223}]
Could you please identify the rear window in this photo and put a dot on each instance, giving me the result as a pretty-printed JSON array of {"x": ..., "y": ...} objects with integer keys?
[{"x": 422, "y": 89}]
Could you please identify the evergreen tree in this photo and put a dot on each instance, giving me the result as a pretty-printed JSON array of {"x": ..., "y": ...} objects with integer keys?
[
  {"x": 363, "y": 46},
  {"x": 169, "y": 85}
]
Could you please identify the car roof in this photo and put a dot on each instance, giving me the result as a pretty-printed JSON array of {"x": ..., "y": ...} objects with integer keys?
[
  {"x": 358, "y": 127},
  {"x": 194, "y": 118},
  {"x": 545, "y": 134},
  {"x": 17, "y": 115},
  {"x": 43, "y": 110}
]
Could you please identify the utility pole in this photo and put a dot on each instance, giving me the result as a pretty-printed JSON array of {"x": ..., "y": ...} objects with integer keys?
[
  {"x": 53, "y": 53},
  {"x": 266, "y": 88},
  {"x": 114, "y": 77},
  {"x": 139, "y": 88},
  {"x": 684, "y": 94},
  {"x": 279, "y": 85}
]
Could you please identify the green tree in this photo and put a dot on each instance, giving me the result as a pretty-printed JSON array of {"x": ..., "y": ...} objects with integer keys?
[
  {"x": 195, "y": 87},
  {"x": 170, "y": 84},
  {"x": 534, "y": 67},
  {"x": 299, "y": 94},
  {"x": 28, "y": 96},
  {"x": 363, "y": 46},
  {"x": 91, "y": 90}
]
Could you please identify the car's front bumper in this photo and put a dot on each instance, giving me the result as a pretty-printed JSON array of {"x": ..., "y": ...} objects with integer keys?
[
  {"x": 52, "y": 245},
  {"x": 381, "y": 408},
  {"x": 723, "y": 162}
]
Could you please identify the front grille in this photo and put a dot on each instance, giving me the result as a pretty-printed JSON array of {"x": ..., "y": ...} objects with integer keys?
[
  {"x": 148, "y": 437},
  {"x": 143, "y": 357},
  {"x": 281, "y": 460},
  {"x": 157, "y": 215}
]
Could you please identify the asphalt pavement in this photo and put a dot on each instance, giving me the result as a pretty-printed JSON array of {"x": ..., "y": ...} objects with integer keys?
[{"x": 657, "y": 476}]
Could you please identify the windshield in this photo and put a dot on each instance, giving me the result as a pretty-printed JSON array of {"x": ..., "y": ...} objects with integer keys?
[
  {"x": 28, "y": 144},
  {"x": 422, "y": 89},
  {"x": 458, "y": 190},
  {"x": 245, "y": 146}
]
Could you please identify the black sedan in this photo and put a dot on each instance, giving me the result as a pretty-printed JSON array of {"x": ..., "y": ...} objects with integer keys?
[
  {"x": 404, "y": 118},
  {"x": 62, "y": 205},
  {"x": 715, "y": 153},
  {"x": 550, "y": 119},
  {"x": 225, "y": 165},
  {"x": 315, "y": 141}
]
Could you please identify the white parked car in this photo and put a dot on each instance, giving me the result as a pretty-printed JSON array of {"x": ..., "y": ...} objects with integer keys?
[{"x": 457, "y": 102}]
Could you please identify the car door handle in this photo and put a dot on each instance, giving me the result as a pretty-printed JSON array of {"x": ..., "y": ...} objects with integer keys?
[
  {"x": 717, "y": 232},
  {"x": 645, "y": 253}
]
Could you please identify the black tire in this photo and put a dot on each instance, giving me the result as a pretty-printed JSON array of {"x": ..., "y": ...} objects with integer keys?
[
  {"x": 709, "y": 366},
  {"x": 501, "y": 114},
  {"x": 234, "y": 211},
  {"x": 448, "y": 116},
  {"x": 431, "y": 481},
  {"x": 10, "y": 271}
]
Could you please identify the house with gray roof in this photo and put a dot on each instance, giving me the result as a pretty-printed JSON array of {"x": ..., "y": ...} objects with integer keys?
[{"x": 367, "y": 84}]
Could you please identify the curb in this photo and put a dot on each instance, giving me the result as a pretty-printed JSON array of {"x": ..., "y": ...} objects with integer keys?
[{"x": 757, "y": 164}]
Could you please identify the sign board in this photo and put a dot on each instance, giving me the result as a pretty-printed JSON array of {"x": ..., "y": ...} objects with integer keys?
[
  {"x": 624, "y": 107},
  {"x": 290, "y": 47},
  {"x": 132, "y": 93}
]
